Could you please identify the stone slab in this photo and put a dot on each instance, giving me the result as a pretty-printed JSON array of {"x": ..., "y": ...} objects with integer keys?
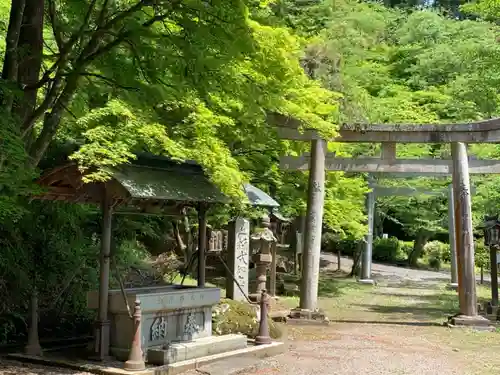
[
  {"x": 261, "y": 351},
  {"x": 153, "y": 299},
  {"x": 177, "y": 352},
  {"x": 307, "y": 317},
  {"x": 476, "y": 323},
  {"x": 306, "y": 322},
  {"x": 367, "y": 281},
  {"x": 452, "y": 286}
]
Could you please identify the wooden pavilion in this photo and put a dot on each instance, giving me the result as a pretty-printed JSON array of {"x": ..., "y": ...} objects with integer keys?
[{"x": 150, "y": 185}]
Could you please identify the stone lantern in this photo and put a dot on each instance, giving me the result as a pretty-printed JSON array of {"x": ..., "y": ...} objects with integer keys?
[{"x": 262, "y": 240}]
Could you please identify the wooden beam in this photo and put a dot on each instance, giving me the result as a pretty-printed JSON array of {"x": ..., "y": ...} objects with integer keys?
[
  {"x": 431, "y": 167},
  {"x": 383, "y": 191},
  {"x": 475, "y": 132},
  {"x": 388, "y": 151}
]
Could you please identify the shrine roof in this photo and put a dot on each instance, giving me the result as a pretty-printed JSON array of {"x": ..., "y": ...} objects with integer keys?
[{"x": 258, "y": 197}]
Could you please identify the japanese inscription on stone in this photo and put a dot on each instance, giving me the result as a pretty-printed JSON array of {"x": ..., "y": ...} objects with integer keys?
[
  {"x": 159, "y": 329},
  {"x": 240, "y": 258}
]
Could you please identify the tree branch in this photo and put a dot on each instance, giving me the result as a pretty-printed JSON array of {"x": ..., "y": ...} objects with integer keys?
[
  {"x": 65, "y": 49},
  {"x": 55, "y": 30},
  {"x": 109, "y": 81},
  {"x": 120, "y": 39}
]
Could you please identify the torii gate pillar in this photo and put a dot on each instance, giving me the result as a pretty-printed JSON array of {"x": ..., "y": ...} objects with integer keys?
[
  {"x": 464, "y": 241},
  {"x": 314, "y": 221}
]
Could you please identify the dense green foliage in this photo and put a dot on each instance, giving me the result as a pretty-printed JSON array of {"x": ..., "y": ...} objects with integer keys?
[{"x": 196, "y": 80}]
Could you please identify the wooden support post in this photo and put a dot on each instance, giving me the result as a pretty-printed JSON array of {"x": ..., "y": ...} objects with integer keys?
[
  {"x": 312, "y": 243},
  {"x": 452, "y": 234},
  {"x": 494, "y": 276},
  {"x": 102, "y": 326},
  {"x": 389, "y": 151},
  {"x": 463, "y": 230},
  {"x": 33, "y": 347},
  {"x": 202, "y": 243},
  {"x": 366, "y": 260},
  {"x": 272, "y": 276}
]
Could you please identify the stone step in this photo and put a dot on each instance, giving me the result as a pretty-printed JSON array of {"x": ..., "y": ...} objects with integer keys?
[{"x": 198, "y": 348}]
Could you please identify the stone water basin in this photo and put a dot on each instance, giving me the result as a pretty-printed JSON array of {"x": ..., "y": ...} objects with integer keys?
[{"x": 171, "y": 314}]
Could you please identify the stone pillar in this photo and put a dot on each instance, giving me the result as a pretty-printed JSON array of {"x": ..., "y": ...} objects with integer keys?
[
  {"x": 463, "y": 222},
  {"x": 238, "y": 251},
  {"x": 264, "y": 238},
  {"x": 465, "y": 242},
  {"x": 366, "y": 260},
  {"x": 453, "y": 245},
  {"x": 314, "y": 221},
  {"x": 102, "y": 326}
]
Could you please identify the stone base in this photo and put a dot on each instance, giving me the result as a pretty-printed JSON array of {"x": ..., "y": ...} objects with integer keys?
[
  {"x": 177, "y": 352},
  {"x": 307, "y": 317},
  {"x": 477, "y": 323},
  {"x": 262, "y": 351},
  {"x": 367, "y": 281},
  {"x": 452, "y": 286}
]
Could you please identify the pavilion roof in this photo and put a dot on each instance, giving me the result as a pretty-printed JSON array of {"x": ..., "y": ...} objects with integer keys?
[{"x": 150, "y": 184}]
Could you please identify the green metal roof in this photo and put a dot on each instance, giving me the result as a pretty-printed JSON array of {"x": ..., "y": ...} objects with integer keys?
[
  {"x": 180, "y": 183},
  {"x": 157, "y": 177},
  {"x": 259, "y": 198}
]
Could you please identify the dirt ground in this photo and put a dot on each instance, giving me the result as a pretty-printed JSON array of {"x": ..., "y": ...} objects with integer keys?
[{"x": 393, "y": 328}]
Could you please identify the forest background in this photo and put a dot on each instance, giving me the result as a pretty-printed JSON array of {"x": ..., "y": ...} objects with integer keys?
[{"x": 98, "y": 81}]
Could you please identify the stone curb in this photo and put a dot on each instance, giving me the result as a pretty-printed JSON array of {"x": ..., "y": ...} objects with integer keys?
[{"x": 261, "y": 351}]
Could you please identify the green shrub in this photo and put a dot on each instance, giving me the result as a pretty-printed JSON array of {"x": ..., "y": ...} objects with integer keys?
[
  {"x": 330, "y": 242},
  {"x": 387, "y": 249},
  {"x": 437, "y": 252},
  {"x": 406, "y": 247},
  {"x": 481, "y": 254},
  {"x": 239, "y": 317}
]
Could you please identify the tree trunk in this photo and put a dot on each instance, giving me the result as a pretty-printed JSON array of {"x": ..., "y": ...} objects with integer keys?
[
  {"x": 181, "y": 247},
  {"x": 30, "y": 50},
  {"x": 418, "y": 248},
  {"x": 356, "y": 259},
  {"x": 10, "y": 64},
  {"x": 339, "y": 257}
]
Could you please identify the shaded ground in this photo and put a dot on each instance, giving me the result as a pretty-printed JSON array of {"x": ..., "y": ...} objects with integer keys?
[{"x": 393, "y": 328}]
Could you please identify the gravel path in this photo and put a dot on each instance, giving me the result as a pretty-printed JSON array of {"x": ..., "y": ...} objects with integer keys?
[
  {"x": 388, "y": 272},
  {"x": 383, "y": 348}
]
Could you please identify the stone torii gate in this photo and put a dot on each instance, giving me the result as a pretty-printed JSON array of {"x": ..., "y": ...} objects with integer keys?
[
  {"x": 384, "y": 191},
  {"x": 397, "y": 168},
  {"x": 458, "y": 135}
]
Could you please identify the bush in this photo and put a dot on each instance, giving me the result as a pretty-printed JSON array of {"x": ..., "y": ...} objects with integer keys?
[
  {"x": 406, "y": 247},
  {"x": 437, "y": 252},
  {"x": 481, "y": 254},
  {"x": 240, "y": 317},
  {"x": 387, "y": 249},
  {"x": 330, "y": 242}
]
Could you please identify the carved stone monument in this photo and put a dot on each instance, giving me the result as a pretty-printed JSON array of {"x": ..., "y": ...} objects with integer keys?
[{"x": 238, "y": 259}]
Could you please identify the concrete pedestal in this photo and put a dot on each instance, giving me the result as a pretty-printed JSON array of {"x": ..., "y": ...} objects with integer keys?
[{"x": 452, "y": 286}]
